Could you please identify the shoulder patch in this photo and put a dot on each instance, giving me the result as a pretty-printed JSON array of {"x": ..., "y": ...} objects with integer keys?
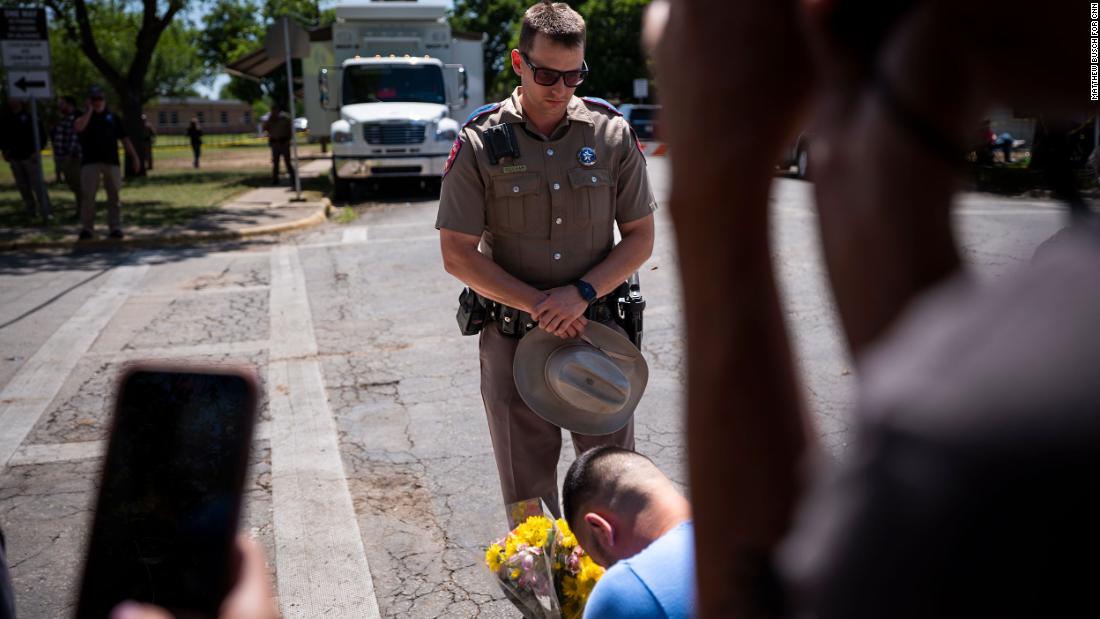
[
  {"x": 604, "y": 104},
  {"x": 481, "y": 111},
  {"x": 457, "y": 146}
]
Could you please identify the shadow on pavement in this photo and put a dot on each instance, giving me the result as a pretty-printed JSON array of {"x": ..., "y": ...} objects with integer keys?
[{"x": 391, "y": 190}]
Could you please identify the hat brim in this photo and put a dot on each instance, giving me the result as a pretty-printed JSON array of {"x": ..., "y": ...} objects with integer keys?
[{"x": 529, "y": 370}]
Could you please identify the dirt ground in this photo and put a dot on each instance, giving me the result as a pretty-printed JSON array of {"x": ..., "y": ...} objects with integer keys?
[{"x": 226, "y": 158}]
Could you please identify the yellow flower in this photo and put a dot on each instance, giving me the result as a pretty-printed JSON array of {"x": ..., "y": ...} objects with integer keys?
[
  {"x": 534, "y": 531},
  {"x": 569, "y": 587},
  {"x": 568, "y": 540},
  {"x": 589, "y": 570},
  {"x": 515, "y": 574},
  {"x": 494, "y": 557}
]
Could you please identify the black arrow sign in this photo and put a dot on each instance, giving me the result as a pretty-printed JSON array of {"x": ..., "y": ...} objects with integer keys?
[{"x": 23, "y": 84}]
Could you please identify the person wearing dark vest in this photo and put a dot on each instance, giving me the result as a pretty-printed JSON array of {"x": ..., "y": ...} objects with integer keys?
[
  {"x": 18, "y": 148},
  {"x": 100, "y": 130},
  {"x": 539, "y": 182}
]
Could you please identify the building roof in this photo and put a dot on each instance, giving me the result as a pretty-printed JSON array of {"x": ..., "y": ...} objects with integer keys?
[{"x": 197, "y": 101}]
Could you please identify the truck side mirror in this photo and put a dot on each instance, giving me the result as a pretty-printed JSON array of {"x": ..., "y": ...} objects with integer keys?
[
  {"x": 328, "y": 87},
  {"x": 457, "y": 85}
]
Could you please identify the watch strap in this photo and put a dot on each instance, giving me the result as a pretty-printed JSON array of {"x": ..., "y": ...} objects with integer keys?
[{"x": 588, "y": 292}]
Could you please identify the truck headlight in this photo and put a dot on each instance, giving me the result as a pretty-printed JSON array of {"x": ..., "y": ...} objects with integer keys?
[
  {"x": 341, "y": 132},
  {"x": 446, "y": 130}
]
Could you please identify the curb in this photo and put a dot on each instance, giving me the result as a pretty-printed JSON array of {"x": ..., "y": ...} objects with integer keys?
[{"x": 319, "y": 216}]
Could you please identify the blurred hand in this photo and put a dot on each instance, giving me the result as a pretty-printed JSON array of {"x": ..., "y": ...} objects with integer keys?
[
  {"x": 251, "y": 597},
  {"x": 135, "y": 165}
]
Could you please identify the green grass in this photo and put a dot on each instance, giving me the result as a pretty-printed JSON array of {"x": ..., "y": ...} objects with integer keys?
[
  {"x": 345, "y": 215},
  {"x": 164, "y": 198}
]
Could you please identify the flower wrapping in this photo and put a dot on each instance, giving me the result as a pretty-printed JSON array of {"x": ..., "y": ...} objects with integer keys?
[{"x": 540, "y": 566}]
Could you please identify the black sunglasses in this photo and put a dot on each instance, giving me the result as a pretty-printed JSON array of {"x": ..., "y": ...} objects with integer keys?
[{"x": 549, "y": 77}]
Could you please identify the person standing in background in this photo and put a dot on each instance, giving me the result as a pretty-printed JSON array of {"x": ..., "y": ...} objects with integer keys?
[
  {"x": 279, "y": 130},
  {"x": 148, "y": 138},
  {"x": 195, "y": 133},
  {"x": 66, "y": 148},
  {"x": 100, "y": 131},
  {"x": 17, "y": 143}
]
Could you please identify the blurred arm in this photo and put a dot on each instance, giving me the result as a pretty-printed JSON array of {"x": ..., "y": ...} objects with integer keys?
[{"x": 746, "y": 433}]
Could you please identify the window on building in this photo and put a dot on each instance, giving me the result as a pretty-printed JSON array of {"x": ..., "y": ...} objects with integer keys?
[
  {"x": 162, "y": 118},
  {"x": 225, "y": 118},
  {"x": 247, "y": 117},
  {"x": 201, "y": 116},
  {"x": 175, "y": 118}
]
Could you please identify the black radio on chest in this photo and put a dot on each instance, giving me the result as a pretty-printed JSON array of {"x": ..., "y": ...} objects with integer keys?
[{"x": 500, "y": 142}]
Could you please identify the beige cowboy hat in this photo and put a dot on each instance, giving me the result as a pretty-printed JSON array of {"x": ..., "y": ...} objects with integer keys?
[{"x": 588, "y": 385}]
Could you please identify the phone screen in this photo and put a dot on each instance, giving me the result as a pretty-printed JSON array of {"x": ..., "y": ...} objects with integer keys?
[{"x": 166, "y": 518}]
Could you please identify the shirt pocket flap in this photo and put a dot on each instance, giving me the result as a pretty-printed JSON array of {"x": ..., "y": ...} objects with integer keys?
[
  {"x": 581, "y": 177},
  {"x": 515, "y": 185}
]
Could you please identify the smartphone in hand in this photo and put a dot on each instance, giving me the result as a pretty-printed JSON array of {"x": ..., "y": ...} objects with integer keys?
[{"x": 170, "y": 494}]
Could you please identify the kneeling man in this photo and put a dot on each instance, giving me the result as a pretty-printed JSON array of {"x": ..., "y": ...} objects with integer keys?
[{"x": 630, "y": 518}]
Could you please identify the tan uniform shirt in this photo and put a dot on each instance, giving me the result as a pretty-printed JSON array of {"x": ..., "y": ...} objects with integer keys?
[{"x": 545, "y": 217}]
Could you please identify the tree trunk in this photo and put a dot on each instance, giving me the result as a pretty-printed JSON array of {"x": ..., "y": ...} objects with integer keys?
[{"x": 131, "y": 118}]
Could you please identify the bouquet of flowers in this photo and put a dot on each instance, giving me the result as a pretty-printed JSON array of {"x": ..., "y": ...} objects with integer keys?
[{"x": 539, "y": 565}]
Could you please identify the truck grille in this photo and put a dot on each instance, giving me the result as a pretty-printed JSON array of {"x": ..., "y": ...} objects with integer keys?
[{"x": 394, "y": 133}]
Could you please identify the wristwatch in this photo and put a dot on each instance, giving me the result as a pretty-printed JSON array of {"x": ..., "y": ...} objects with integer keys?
[{"x": 586, "y": 290}]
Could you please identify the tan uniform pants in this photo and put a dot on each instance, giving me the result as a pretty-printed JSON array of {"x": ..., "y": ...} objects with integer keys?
[
  {"x": 89, "y": 185},
  {"x": 526, "y": 446}
]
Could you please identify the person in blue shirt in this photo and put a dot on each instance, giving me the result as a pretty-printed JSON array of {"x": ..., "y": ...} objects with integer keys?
[{"x": 631, "y": 519}]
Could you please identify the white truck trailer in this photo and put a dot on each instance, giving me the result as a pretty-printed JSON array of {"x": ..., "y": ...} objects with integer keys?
[{"x": 390, "y": 89}]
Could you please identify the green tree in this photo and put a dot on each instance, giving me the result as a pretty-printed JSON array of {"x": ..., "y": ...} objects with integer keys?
[
  {"x": 230, "y": 31},
  {"x": 174, "y": 69},
  {"x": 127, "y": 73},
  {"x": 614, "y": 48},
  {"x": 500, "y": 21},
  {"x": 235, "y": 28}
]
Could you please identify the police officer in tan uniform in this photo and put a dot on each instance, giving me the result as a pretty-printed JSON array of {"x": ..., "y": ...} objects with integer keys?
[{"x": 531, "y": 193}]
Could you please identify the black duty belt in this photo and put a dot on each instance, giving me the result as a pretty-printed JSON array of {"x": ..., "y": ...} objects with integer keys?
[{"x": 515, "y": 322}]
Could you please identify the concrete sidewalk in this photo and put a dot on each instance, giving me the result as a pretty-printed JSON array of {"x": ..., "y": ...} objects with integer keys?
[{"x": 261, "y": 211}]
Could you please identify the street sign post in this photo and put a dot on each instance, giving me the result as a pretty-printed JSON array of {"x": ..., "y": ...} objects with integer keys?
[
  {"x": 25, "y": 53},
  {"x": 641, "y": 88},
  {"x": 23, "y": 24},
  {"x": 30, "y": 84},
  {"x": 287, "y": 40},
  {"x": 25, "y": 48}
]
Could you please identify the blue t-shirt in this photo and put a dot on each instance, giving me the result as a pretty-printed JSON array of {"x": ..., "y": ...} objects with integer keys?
[{"x": 657, "y": 582}]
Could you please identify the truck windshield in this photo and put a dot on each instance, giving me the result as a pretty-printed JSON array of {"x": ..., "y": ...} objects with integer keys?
[{"x": 372, "y": 84}]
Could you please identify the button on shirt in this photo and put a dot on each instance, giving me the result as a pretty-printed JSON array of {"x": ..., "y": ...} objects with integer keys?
[
  {"x": 99, "y": 140},
  {"x": 544, "y": 216}
]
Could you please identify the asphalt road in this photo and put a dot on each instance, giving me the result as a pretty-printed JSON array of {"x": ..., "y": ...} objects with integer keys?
[{"x": 372, "y": 479}]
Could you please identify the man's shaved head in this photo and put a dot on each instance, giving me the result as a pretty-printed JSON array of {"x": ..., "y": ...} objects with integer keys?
[{"x": 610, "y": 478}]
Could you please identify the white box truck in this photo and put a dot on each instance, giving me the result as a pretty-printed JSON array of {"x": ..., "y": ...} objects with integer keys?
[{"x": 391, "y": 89}]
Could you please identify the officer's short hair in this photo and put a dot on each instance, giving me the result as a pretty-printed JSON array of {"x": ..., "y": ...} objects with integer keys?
[{"x": 556, "y": 20}]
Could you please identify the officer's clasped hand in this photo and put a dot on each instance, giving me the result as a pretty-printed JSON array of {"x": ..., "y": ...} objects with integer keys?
[{"x": 561, "y": 312}]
